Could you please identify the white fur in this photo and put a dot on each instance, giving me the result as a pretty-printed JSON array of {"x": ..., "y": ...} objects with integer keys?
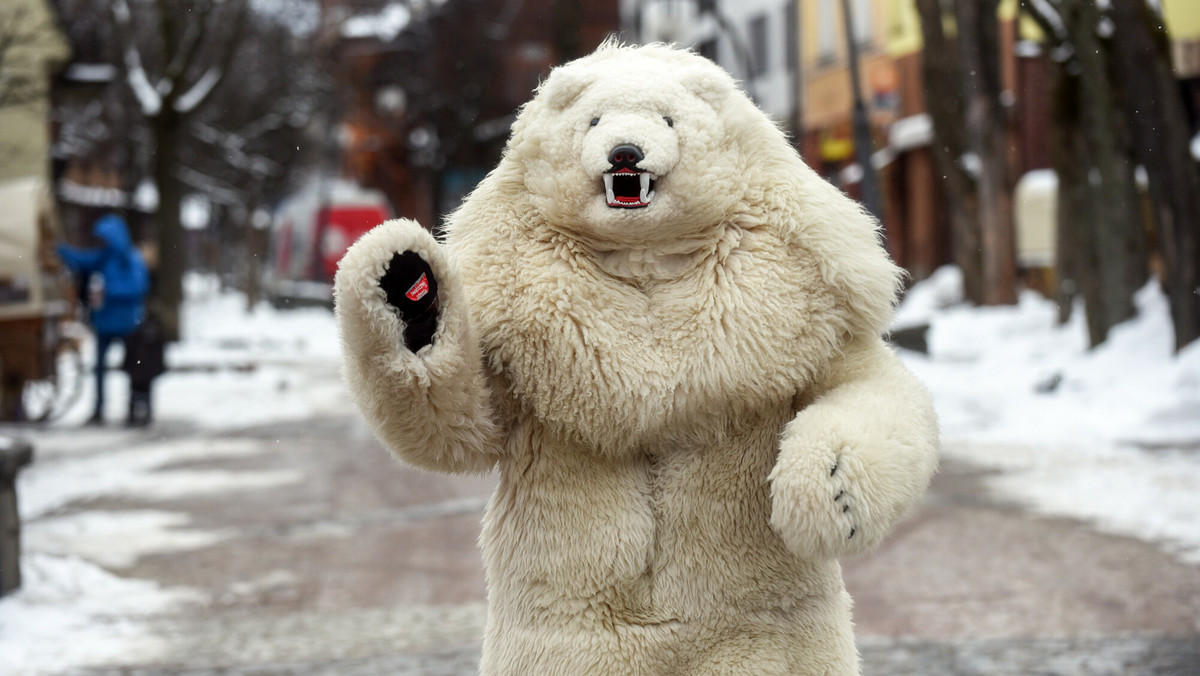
[
  {"x": 400, "y": 393},
  {"x": 665, "y": 391}
]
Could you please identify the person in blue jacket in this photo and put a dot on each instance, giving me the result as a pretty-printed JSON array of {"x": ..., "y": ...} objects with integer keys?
[{"x": 117, "y": 282}]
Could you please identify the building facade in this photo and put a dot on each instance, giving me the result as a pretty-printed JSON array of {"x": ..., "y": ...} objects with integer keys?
[
  {"x": 429, "y": 105},
  {"x": 755, "y": 40}
]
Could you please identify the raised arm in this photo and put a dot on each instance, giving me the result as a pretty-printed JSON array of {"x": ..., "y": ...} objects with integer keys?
[
  {"x": 856, "y": 457},
  {"x": 79, "y": 261},
  {"x": 411, "y": 360}
]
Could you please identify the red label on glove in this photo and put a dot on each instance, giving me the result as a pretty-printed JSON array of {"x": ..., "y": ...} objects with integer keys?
[{"x": 418, "y": 290}]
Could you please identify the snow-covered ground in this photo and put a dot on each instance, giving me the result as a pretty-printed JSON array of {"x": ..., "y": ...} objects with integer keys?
[
  {"x": 1111, "y": 436},
  {"x": 232, "y": 370}
]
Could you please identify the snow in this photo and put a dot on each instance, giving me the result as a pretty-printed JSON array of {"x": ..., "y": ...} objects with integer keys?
[
  {"x": 149, "y": 98},
  {"x": 231, "y": 370},
  {"x": 145, "y": 196},
  {"x": 193, "y": 97},
  {"x": 1110, "y": 436},
  {"x": 75, "y": 475},
  {"x": 301, "y": 17},
  {"x": 386, "y": 25},
  {"x": 1048, "y": 11},
  {"x": 910, "y": 132},
  {"x": 90, "y": 72},
  {"x": 92, "y": 196},
  {"x": 147, "y": 95},
  {"x": 71, "y": 612}
]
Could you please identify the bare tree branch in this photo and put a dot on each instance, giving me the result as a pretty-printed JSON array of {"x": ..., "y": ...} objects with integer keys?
[{"x": 199, "y": 92}]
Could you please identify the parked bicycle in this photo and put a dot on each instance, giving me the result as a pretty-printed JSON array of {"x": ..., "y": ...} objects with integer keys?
[{"x": 41, "y": 367}]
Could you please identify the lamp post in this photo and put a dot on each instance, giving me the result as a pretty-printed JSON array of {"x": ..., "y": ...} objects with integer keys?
[{"x": 862, "y": 128}]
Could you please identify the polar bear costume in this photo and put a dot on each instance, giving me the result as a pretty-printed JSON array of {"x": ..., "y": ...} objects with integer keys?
[{"x": 662, "y": 329}]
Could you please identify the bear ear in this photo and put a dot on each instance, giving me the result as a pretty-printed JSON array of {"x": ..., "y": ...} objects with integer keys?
[
  {"x": 709, "y": 84},
  {"x": 563, "y": 86}
]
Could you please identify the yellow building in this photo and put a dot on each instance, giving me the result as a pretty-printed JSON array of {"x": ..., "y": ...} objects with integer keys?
[
  {"x": 1183, "y": 24},
  {"x": 34, "y": 50},
  {"x": 888, "y": 36},
  {"x": 827, "y": 99},
  {"x": 893, "y": 87},
  {"x": 31, "y": 49},
  {"x": 1183, "y": 19}
]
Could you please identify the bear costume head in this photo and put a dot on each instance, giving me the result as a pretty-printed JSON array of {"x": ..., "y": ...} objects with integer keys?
[
  {"x": 763, "y": 269},
  {"x": 662, "y": 329}
]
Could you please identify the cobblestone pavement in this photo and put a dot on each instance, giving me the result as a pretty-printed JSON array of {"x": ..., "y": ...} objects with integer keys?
[
  {"x": 1012, "y": 657},
  {"x": 366, "y": 567}
]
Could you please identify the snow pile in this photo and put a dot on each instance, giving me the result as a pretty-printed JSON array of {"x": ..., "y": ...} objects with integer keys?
[
  {"x": 1110, "y": 435},
  {"x": 72, "y": 613},
  {"x": 65, "y": 474}
]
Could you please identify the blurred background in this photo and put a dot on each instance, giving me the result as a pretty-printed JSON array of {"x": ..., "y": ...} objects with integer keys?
[
  {"x": 1045, "y": 145},
  {"x": 1034, "y": 165}
]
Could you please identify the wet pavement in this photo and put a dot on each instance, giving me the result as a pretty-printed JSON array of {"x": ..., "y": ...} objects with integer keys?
[{"x": 364, "y": 566}]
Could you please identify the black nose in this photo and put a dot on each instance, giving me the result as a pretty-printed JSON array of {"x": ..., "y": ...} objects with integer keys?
[{"x": 625, "y": 156}]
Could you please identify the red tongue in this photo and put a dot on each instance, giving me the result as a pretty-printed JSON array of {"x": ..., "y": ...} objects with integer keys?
[{"x": 627, "y": 200}]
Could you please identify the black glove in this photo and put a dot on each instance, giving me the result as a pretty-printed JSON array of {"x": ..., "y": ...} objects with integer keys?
[{"x": 412, "y": 290}]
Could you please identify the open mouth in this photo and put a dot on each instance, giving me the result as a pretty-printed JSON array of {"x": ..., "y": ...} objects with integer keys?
[{"x": 629, "y": 188}]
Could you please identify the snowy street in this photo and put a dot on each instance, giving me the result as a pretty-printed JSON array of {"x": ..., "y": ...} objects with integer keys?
[{"x": 258, "y": 527}]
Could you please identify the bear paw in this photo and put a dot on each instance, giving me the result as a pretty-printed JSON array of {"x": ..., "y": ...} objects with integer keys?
[
  {"x": 817, "y": 507},
  {"x": 396, "y": 271},
  {"x": 411, "y": 288}
]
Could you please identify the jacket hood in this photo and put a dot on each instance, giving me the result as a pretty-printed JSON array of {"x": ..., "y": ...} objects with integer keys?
[{"x": 111, "y": 230}]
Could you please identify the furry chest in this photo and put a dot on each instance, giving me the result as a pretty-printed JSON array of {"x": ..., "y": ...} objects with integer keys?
[{"x": 637, "y": 538}]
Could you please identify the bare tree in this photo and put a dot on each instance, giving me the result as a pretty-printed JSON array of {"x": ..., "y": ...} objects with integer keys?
[
  {"x": 1102, "y": 249},
  {"x": 214, "y": 101},
  {"x": 988, "y": 133},
  {"x": 942, "y": 75},
  {"x": 1142, "y": 63},
  {"x": 963, "y": 94},
  {"x": 175, "y": 55},
  {"x": 243, "y": 150}
]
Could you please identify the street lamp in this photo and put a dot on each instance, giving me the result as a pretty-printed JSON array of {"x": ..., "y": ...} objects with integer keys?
[{"x": 862, "y": 128}]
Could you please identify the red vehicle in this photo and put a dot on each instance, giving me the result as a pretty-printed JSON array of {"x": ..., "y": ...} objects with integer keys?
[{"x": 311, "y": 231}]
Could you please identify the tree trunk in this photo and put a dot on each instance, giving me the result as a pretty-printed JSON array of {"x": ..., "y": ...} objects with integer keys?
[
  {"x": 1102, "y": 237},
  {"x": 172, "y": 258},
  {"x": 1076, "y": 259},
  {"x": 257, "y": 240},
  {"x": 986, "y": 124},
  {"x": 1118, "y": 227},
  {"x": 1161, "y": 138},
  {"x": 941, "y": 71}
]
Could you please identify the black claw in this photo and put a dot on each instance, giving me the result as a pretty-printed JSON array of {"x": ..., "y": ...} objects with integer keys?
[
  {"x": 839, "y": 496},
  {"x": 852, "y": 532},
  {"x": 835, "y": 468},
  {"x": 845, "y": 508}
]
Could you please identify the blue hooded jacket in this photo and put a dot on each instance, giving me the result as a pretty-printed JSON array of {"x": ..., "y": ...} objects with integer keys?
[{"x": 121, "y": 270}]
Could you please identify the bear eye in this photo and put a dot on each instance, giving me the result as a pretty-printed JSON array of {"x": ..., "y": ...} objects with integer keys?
[
  {"x": 595, "y": 121},
  {"x": 670, "y": 122}
]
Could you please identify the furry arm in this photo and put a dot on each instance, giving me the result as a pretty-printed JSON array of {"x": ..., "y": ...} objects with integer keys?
[
  {"x": 430, "y": 407},
  {"x": 856, "y": 458}
]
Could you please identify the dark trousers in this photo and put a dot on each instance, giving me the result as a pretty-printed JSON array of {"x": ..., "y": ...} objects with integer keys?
[
  {"x": 103, "y": 342},
  {"x": 140, "y": 411}
]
